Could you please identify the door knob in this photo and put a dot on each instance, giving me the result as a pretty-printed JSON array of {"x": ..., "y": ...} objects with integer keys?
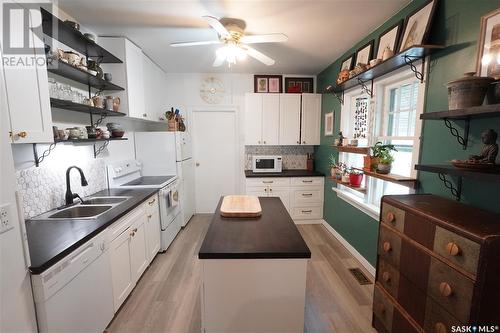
[{"x": 197, "y": 164}]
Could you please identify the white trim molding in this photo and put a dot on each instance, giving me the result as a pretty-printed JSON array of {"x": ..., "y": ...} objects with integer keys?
[
  {"x": 351, "y": 249},
  {"x": 357, "y": 203},
  {"x": 308, "y": 221}
]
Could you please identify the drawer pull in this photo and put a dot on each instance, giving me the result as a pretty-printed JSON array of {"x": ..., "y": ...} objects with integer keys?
[
  {"x": 267, "y": 181},
  {"x": 391, "y": 217},
  {"x": 453, "y": 249},
  {"x": 440, "y": 328},
  {"x": 152, "y": 202},
  {"x": 445, "y": 289},
  {"x": 307, "y": 194},
  {"x": 386, "y": 247},
  {"x": 150, "y": 216},
  {"x": 386, "y": 277},
  {"x": 307, "y": 211},
  {"x": 307, "y": 181}
]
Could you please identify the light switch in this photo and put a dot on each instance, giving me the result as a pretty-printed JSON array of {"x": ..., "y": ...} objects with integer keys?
[{"x": 6, "y": 222}]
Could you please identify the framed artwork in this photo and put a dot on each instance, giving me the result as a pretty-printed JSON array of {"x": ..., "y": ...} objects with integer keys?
[
  {"x": 488, "y": 50},
  {"x": 417, "y": 26},
  {"x": 364, "y": 53},
  {"x": 268, "y": 83},
  {"x": 329, "y": 124},
  {"x": 389, "y": 39},
  {"x": 299, "y": 84},
  {"x": 347, "y": 63}
]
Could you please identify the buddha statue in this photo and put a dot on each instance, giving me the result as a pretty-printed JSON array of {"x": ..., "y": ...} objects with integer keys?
[{"x": 490, "y": 148}]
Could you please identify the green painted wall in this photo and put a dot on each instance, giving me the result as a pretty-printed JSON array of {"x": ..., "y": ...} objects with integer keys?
[{"x": 456, "y": 24}]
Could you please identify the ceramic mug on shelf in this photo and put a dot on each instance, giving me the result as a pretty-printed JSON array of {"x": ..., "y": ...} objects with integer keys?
[
  {"x": 63, "y": 134},
  {"x": 109, "y": 103},
  {"x": 98, "y": 101},
  {"x": 73, "y": 133}
]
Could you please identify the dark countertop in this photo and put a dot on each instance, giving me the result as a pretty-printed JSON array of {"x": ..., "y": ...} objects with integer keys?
[
  {"x": 51, "y": 240},
  {"x": 270, "y": 236},
  {"x": 285, "y": 173}
]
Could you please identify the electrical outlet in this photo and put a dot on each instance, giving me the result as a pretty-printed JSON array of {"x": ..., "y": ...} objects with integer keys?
[{"x": 6, "y": 222}]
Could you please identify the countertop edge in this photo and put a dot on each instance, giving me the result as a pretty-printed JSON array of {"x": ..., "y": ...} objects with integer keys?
[{"x": 285, "y": 173}]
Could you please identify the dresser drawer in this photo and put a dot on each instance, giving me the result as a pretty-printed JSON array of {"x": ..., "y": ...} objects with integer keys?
[
  {"x": 437, "y": 319},
  {"x": 457, "y": 249},
  {"x": 268, "y": 181},
  {"x": 306, "y": 196},
  {"x": 307, "y": 212},
  {"x": 450, "y": 289},
  {"x": 389, "y": 246},
  {"x": 382, "y": 308},
  {"x": 307, "y": 181},
  {"x": 388, "y": 277},
  {"x": 393, "y": 216}
]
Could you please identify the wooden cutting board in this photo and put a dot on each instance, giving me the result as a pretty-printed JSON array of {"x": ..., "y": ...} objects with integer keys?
[{"x": 240, "y": 206}]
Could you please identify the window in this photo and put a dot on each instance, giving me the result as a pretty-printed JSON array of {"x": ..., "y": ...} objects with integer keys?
[{"x": 392, "y": 116}]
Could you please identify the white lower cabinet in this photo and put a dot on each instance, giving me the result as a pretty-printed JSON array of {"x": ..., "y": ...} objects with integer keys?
[
  {"x": 152, "y": 226},
  {"x": 302, "y": 196}
]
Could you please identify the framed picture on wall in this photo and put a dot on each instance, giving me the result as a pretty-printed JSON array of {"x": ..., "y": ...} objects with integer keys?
[
  {"x": 299, "y": 85},
  {"x": 488, "y": 50},
  {"x": 364, "y": 53},
  {"x": 417, "y": 26},
  {"x": 268, "y": 83},
  {"x": 347, "y": 63},
  {"x": 329, "y": 124},
  {"x": 389, "y": 39}
]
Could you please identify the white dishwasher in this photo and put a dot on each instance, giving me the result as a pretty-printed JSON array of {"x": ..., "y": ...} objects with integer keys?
[{"x": 76, "y": 294}]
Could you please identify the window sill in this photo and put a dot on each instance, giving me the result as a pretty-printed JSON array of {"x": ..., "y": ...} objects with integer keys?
[{"x": 370, "y": 210}]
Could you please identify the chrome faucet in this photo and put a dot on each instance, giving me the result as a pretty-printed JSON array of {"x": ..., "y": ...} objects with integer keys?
[{"x": 69, "y": 195}]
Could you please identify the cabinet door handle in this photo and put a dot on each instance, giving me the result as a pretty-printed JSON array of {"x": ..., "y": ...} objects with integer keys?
[
  {"x": 307, "y": 194},
  {"x": 270, "y": 190},
  {"x": 303, "y": 142},
  {"x": 144, "y": 115},
  {"x": 265, "y": 189},
  {"x": 150, "y": 216},
  {"x": 264, "y": 142},
  {"x": 132, "y": 233},
  {"x": 22, "y": 134},
  {"x": 152, "y": 202},
  {"x": 307, "y": 211},
  {"x": 298, "y": 142},
  {"x": 258, "y": 142}
]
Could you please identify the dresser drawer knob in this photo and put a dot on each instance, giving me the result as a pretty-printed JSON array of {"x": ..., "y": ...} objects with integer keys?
[
  {"x": 445, "y": 289},
  {"x": 453, "y": 249},
  {"x": 391, "y": 217},
  {"x": 440, "y": 328},
  {"x": 381, "y": 308},
  {"x": 386, "y": 277},
  {"x": 386, "y": 246}
]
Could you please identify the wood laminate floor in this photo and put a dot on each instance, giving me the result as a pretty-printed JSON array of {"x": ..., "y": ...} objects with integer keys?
[{"x": 167, "y": 298}]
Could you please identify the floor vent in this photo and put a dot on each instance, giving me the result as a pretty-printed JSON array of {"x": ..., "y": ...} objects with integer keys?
[{"x": 359, "y": 276}]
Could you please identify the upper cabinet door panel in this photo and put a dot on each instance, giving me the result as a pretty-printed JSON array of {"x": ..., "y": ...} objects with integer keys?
[
  {"x": 27, "y": 87},
  {"x": 289, "y": 129},
  {"x": 135, "y": 86},
  {"x": 311, "y": 119},
  {"x": 253, "y": 119},
  {"x": 270, "y": 119}
]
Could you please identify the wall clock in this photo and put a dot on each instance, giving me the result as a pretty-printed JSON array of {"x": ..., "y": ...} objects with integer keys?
[{"x": 212, "y": 90}]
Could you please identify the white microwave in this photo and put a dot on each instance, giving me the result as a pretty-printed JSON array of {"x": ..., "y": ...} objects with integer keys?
[{"x": 267, "y": 164}]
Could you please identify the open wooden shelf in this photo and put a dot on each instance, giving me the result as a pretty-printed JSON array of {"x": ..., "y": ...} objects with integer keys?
[
  {"x": 353, "y": 149},
  {"x": 397, "y": 61},
  {"x": 89, "y": 141},
  {"x": 82, "y": 108},
  {"x": 359, "y": 189},
  {"x": 75, "y": 74},
  {"x": 393, "y": 178},
  {"x": 483, "y": 111},
  {"x": 57, "y": 29},
  {"x": 488, "y": 175}
]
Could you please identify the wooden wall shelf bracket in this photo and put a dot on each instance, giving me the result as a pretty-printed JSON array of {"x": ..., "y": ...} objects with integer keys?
[
  {"x": 455, "y": 191},
  {"x": 461, "y": 139},
  {"x": 409, "y": 60},
  {"x": 39, "y": 159},
  {"x": 364, "y": 87}
]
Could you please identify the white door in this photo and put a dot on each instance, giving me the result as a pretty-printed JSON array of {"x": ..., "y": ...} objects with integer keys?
[
  {"x": 138, "y": 249},
  {"x": 27, "y": 87},
  {"x": 253, "y": 119},
  {"x": 270, "y": 119},
  {"x": 121, "y": 272},
  {"x": 311, "y": 119},
  {"x": 289, "y": 119},
  {"x": 215, "y": 156}
]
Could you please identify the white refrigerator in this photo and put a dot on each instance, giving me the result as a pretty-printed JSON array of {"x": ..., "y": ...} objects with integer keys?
[{"x": 185, "y": 173}]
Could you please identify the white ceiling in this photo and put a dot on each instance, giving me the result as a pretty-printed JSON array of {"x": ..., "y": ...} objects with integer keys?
[{"x": 319, "y": 31}]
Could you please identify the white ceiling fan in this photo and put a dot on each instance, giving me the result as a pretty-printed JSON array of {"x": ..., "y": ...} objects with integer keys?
[{"x": 234, "y": 42}]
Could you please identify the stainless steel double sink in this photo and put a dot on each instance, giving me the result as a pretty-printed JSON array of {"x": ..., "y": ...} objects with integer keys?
[{"x": 91, "y": 208}]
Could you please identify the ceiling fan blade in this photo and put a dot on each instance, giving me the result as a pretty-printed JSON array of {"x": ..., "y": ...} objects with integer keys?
[
  {"x": 219, "y": 60},
  {"x": 217, "y": 26},
  {"x": 258, "y": 55},
  {"x": 267, "y": 38},
  {"x": 182, "y": 44}
]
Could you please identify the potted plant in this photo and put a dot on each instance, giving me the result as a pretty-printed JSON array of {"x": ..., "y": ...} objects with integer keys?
[
  {"x": 340, "y": 171},
  {"x": 333, "y": 165},
  {"x": 355, "y": 177},
  {"x": 382, "y": 157}
]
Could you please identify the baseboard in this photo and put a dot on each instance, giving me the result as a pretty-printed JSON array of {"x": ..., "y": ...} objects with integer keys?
[
  {"x": 308, "y": 221},
  {"x": 351, "y": 249}
]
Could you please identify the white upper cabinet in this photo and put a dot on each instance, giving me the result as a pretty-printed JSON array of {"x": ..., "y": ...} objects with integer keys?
[
  {"x": 155, "y": 87},
  {"x": 27, "y": 86},
  {"x": 262, "y": 119},
  {"x": 253, "y": 119},
  {"x": 311, "y": 119},
  {"x": 289, "y": 129},
  {"x": 270, "y": 119}
]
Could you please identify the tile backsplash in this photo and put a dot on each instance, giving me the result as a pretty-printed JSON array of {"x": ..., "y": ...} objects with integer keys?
[
  {"x": 294, "y": 157},
  {"x": 43, "y": 188}
]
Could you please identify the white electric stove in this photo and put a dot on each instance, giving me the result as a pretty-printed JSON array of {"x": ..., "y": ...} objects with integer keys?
[{"x": 128, "y": 175}]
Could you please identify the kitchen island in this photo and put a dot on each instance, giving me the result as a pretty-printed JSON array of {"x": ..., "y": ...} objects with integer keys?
[{"x": 254, "y": 272}]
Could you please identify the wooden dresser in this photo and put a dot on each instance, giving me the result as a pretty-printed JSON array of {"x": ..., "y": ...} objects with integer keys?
[{"x": 438, "y": 265}]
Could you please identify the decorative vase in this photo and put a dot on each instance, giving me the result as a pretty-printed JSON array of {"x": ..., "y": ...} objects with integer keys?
[
  {"x": 383, "y": 168},
  {"x": 467, "y": 91},
  {"x": 355, "y": 179},
  {"x": 116, "y": 104}
]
